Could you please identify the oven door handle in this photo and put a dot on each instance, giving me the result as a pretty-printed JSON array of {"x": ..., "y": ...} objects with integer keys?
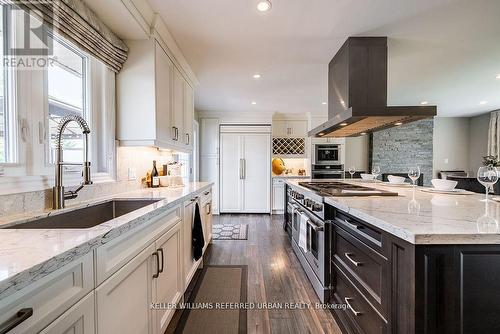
[{"x": 315, "y": 227}]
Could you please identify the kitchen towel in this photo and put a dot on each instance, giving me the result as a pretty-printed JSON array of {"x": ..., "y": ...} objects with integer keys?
[
  {"x": 303, "y": 232},
  {"x": 198, "y": 240}
]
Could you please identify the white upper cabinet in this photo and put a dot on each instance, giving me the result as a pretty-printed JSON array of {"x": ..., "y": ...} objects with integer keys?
[
  {"x": 154, "y": 105},
  {"x": 289, "y": 128},
  {"x": 188, "y": 115}
]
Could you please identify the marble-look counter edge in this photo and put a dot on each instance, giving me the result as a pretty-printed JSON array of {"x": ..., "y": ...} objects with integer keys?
[
  {"x": 431, "y": 238},
  {"x": 100, "y": 235}
]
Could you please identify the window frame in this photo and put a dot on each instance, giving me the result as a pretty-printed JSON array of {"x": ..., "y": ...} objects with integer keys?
[{"x": 29, "y": 132}]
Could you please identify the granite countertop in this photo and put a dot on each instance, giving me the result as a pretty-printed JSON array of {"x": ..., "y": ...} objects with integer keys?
[
  {"x": 28, "y": 254},
  {"x": 424, "y": 218}
]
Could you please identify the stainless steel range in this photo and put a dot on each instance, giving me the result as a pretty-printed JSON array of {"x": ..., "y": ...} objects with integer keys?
[{"x": 306, "y": 209}]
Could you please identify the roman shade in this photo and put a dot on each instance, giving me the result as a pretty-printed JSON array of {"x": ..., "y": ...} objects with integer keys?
[{"x": 75, "y": 21}]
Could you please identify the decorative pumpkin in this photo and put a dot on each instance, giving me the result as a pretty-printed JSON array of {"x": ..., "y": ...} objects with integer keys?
[{"x": 278, "y": 166}]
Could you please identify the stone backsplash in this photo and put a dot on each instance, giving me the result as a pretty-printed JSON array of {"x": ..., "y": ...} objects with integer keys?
[{"x": 397, "y": 149}]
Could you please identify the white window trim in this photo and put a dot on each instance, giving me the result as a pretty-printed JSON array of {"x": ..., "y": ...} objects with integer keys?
[{"x": 32, "y": 131}]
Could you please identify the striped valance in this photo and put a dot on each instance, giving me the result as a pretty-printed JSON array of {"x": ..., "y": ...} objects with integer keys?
[{"x": 74, "y": 20}]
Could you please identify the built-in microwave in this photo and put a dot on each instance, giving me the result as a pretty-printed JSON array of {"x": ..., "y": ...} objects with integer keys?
[{"x": 327, "y": 154}]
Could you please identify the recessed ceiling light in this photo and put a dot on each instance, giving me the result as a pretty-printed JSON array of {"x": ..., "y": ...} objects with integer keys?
[
  {"x": 264, "y": 6},
  {"x": 343, "y": 124},
  {"x": 363, "y": 133},
  {"x": 321, "y": 134},
  {"x": 398, "y": 123},
  {"x": 498, "y": 76},
  {"x": 256, "y": 76},
  {"x": 483, "y": 102},
  {"x": 424, "y": 103},
  {"x": 323, "y": 103},
  {"x": 254, "y": 103}
]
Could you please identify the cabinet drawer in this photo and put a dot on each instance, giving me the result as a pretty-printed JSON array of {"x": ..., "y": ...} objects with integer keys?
[
  {"x": 360, "y": 230},
  {"x": 80, "y": 319},
  {"x": 51, "y": 296},
  {"x": 366, "y": 266},
  {"x": 115, "y": 254},
  {"x": 362, "y": 317}
]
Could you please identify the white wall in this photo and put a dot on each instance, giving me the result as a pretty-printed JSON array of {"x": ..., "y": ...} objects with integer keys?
[
  {"x": 451, "y": 143},
  {"x": 460, "y": 142},
  {"x": 478, "y": 146}
]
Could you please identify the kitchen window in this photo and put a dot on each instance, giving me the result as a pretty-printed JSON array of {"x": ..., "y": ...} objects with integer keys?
[
  {"x": 67, "y": 95},
  {"x": 33, "y": 104}
]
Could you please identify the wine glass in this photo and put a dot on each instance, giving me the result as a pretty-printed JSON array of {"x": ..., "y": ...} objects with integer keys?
[
  {"x": 487, "y": 176},
  {"x": 375, "y": 171},
  {"x": 352, "y": 170},
  {"x": 414, "y": 174}
]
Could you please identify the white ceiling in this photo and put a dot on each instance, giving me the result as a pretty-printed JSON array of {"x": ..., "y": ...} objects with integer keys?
[{"x": 444, "y": 51}]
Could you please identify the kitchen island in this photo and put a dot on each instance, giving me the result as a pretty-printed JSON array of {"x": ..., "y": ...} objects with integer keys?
[{"x": 413, "y": 263}]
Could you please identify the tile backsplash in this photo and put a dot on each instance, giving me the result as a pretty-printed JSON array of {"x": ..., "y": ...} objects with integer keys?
[{"x": 138, "y": 159}]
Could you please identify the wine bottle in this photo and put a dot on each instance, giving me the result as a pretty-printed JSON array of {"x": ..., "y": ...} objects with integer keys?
[{"x": 155, "y": 177}]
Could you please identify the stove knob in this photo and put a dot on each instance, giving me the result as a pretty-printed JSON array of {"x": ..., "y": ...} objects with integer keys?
[
  {"x": 300, "y": 196},
  {"x": 317, "y": 207},
  {"x": 307, "y": 202}
]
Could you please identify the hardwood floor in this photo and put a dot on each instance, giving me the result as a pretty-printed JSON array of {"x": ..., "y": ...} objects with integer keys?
[{"x": 274, "y": 275}]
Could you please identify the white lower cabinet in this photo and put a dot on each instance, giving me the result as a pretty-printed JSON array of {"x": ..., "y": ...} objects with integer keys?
[
  {"x": 80, "y": 319},
  {"x": 124, "y": 300},
  {"x": 127, "y": 285},
  {"x": 168, "y": 287},
  {"x": 278, "y": 196}
]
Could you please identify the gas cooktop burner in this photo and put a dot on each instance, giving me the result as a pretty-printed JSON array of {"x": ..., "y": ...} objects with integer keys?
[{"x": 333, "y": 188}]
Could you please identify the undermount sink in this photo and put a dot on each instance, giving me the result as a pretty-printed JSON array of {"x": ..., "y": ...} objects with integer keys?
[{"x": 87, "y": 217}]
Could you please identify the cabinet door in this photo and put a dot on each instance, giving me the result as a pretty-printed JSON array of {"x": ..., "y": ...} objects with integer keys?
[
  {"x": 280, "y": 128},
  {"x": 169, "y": 285},
  {"x": 188, "y": 115},
  {"x": 256, "y": 173},
  {"x": 190, "y": 265},
  {"x": 298, "y": 129},
  {"x": 209, "y": 132},
  {"x": 124, "y": 300},
  {"x": 278, "y": 197},
  {"x": 231, "y": 173},
  {"x": 164, "y": 79},
  {"x": 178, "y": 112},
  {"x": 210, "y": 173},
  {"x": 79, "y": 319}
]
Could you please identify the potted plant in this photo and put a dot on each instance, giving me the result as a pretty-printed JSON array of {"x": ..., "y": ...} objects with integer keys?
[{"x": 493, "y": 161}]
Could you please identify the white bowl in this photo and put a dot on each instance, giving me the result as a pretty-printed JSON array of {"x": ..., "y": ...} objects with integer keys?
[
  {"x": 445, "y": 185},
  {"x": 367, "y": 176},
  {"x": 396, "y": 179}
]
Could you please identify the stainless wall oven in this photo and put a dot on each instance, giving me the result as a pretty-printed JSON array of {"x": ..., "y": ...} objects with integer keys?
[
  {"x": 327, "y": 154},
  {"x": 327, "y": 171}
]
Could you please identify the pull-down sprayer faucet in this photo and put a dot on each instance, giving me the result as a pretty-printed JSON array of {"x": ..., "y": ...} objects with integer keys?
[{"x": 58, "y": 194}]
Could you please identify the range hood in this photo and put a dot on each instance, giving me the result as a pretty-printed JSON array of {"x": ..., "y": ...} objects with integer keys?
[{"x": 357, "y": 92}]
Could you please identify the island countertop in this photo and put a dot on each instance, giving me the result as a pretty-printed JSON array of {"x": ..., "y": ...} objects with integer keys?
[
  {"x": 421, "y": 217},
  {"x": 29, "y": 254}
]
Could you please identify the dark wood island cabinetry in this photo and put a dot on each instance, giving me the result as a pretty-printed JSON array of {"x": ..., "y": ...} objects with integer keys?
[{"x": 393, "y": 286}]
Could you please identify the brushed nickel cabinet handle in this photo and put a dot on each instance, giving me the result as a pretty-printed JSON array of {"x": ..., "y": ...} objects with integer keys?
[
  {"x": 356, "y": 313},
  {"x": 206, "y": 193},
  {"x": 354, "y": 226},
  {"x": 356, "y": 263},
  {"x": 209, "y": 208}
]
